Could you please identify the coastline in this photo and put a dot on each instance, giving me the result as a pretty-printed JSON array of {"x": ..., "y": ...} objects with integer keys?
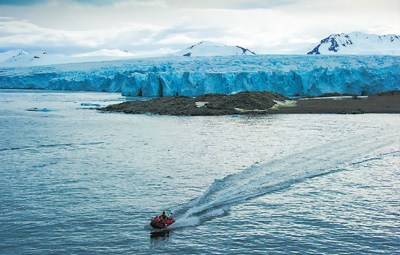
[{"x": 260, "y": 103}]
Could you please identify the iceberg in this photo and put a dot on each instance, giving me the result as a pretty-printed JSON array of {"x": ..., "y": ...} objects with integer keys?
[
  {"x": 289, "y": 75},
  {"x": 35, "y": 109},
  {"x": 91, "y": 105}
]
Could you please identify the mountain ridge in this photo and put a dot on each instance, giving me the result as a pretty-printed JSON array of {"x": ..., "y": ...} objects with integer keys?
[
  {"x": 207, "y": 48},
  {"x": 358, "y": 43}
]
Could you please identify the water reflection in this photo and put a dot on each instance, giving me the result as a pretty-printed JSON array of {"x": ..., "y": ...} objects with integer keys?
[{"x": 161, "y": 234}]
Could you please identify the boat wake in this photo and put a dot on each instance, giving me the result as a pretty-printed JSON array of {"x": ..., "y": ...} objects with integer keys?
[{"x": 280, "y": 173}]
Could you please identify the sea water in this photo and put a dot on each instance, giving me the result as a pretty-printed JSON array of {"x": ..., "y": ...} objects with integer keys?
[{"x": 78, "y": 181}]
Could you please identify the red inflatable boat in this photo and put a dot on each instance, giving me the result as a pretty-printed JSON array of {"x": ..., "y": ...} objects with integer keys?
[{"x": 160, "y": 222}]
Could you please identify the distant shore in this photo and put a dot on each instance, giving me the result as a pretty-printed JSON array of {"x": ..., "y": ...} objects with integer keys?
[{"x": 260, "y": 103}]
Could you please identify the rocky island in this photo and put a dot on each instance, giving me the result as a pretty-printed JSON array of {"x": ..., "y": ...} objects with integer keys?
[{"x": 260, "y": 103}]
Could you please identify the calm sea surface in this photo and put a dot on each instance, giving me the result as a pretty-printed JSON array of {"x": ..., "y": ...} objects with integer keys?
[{"x": 78, "y": 181}]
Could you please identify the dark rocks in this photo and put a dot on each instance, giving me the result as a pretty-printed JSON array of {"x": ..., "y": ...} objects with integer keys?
[
  {"x": 260, "y": 103},
  {"x": 209, "y": 104}
]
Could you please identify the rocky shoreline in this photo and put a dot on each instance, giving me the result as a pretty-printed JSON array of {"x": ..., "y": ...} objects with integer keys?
[{"x": 260, "y": 103}]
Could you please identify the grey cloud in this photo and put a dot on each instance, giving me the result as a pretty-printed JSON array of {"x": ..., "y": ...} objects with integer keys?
[
  {"x": 28, "y": 36},
  {"x": 261, "y": 4},
  {"x": 231, "y": 4},
  {"x": 100, "y": 2},
  {"x": 22, "y": 2},
  {"x": 204, "y": 4},
  {"x": 195, "y": 32},
  {"x": 89, "y": 2}
]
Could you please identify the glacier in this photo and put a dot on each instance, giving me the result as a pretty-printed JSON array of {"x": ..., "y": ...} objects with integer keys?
[{"x": 289, "y": 75}]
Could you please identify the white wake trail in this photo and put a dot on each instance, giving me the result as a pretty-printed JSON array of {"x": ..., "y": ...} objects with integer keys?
[{"x": 282, "y": 172}]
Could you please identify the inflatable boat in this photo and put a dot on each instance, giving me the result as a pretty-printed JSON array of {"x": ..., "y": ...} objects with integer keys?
[{"x": 160, "y": 222}]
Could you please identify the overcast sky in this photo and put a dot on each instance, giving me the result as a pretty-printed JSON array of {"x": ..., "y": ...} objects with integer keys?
[{"x": 161, "y": 26}]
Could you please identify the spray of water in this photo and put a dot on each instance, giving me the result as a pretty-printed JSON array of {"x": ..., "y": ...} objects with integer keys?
[{"x": 281, "y": 173}]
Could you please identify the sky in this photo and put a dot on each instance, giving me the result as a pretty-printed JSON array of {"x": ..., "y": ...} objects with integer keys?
[{"x": 152, "y": 27}]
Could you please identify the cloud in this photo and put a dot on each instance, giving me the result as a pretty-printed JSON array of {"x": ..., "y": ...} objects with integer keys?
[
  {"x": 103, "y": 2},
  {"x": 230, "y": 4},
  {"x": 23, "y": 34},
  {"x": 204, "y": 4},
  {"x": 106, "y": 52},
  {"x": 22, "y": 2},
  {"x": 268, "y": 26}
]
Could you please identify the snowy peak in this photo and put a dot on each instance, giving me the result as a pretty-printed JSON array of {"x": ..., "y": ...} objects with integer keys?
[
  {"x": 359, "y": 44},
  {"x": 12, "y": 55},
  {"x": 16, "y": 57},
  {"x": 206, "y": 48},
  {"x": 20, "y": 58}
]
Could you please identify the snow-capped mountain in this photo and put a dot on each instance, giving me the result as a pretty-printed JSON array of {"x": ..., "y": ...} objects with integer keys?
[
  {"x": 358, "y": 44},
  {"x": 206, "y": 48},
  {"x": 20, "y": 58},
  {"x": 23, "y": 58},
  {"x": 12, "y": 55}
]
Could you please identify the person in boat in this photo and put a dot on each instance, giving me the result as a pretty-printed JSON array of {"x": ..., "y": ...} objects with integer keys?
[{"x": 166, "y": 219}]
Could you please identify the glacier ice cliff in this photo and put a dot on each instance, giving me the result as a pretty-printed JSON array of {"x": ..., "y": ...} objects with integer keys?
[{"x": 289, "y": 75}]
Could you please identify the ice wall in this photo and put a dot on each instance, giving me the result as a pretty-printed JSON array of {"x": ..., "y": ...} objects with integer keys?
[{"x": 289, "y": 75}]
